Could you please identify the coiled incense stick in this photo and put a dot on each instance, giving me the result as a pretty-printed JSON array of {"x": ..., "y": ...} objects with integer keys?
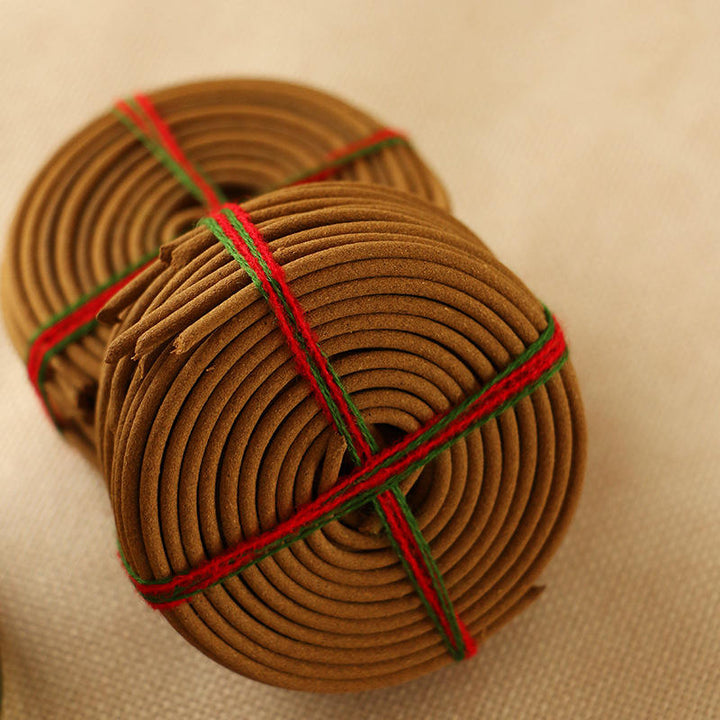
[
  {"x": 141, "y": 175},
  {"x": 249, "y": 368}
]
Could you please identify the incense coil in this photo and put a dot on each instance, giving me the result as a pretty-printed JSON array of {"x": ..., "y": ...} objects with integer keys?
[
  {"x": 103, "y": 202},
  {"x": 207, "y": 435}
]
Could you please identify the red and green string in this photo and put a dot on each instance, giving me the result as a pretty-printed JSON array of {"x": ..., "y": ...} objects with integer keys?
[
  {"x": 141, "y": 117},
  {"x": 72, "y": 323},
  {"x": 337, "y": 159},
  {"x": 233, "y": 227},
  {"x": 525, "y": 374}
]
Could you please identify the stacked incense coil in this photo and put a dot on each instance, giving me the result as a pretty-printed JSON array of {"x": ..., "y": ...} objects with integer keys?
[
  {"x": 210, "y": 437},
  {"x": 104, "y": 203}
]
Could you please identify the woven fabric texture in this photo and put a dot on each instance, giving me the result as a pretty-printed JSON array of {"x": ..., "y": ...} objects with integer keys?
[{"x": 580, "y": 141}]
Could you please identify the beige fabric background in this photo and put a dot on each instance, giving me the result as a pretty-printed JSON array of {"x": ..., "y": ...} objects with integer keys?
[{"x": 582, "y": 141}]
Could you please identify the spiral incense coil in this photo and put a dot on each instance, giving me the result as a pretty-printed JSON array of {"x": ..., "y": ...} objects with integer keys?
[
  {"x": 144, "y": 173},
  {"x": 242, "y": 513}
]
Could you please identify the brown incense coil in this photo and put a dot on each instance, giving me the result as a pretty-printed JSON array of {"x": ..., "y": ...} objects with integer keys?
[
  {"x": 207, "y": 435},
  {"x": 103, "y": 201}
]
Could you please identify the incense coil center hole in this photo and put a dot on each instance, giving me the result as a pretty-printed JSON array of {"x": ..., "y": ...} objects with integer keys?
[{"x": 415, "y": 487}]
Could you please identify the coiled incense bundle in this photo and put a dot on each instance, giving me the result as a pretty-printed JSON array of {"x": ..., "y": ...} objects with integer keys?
[
  {"x": 143, "y": 174},
  {"x": 341, "y": 439}
]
